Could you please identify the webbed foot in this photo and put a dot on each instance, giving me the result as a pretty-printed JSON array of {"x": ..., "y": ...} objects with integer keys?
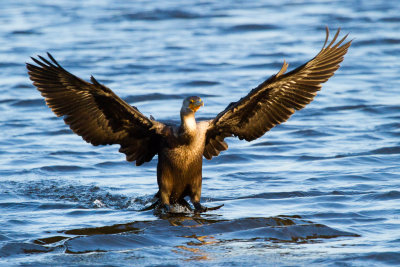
[
  {"x": 167, "y": 208},
  {"x": 216, "y": 207},
  {"x": 198, "y": 208},
  {"x": 152, "y": 206}
]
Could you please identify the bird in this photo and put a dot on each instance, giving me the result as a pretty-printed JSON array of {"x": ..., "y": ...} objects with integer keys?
[{"x": 100, "y": 117}]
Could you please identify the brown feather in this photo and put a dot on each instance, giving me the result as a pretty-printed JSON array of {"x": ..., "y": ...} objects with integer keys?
[
  {"x": 276, "y": 99},
  {"x": 93, "y": 111}
]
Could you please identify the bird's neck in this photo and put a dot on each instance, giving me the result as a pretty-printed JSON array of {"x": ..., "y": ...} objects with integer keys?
[{"x": 188, "y": 124}]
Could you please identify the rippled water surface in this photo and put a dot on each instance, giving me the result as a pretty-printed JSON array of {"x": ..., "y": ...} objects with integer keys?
[{"x": 321, "y": 189}]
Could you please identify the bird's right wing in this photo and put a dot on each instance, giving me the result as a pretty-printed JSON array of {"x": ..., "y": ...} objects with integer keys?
[{"x": 94, "y": 112}]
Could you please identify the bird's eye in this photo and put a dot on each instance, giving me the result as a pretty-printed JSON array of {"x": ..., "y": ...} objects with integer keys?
[{"x": 191, "y": 100}]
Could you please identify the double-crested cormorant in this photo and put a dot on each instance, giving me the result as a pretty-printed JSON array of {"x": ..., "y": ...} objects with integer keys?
[{"x": 94, "y": 112}]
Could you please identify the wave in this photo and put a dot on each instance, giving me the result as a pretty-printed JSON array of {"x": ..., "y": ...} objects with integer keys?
[{"x": 178, "y": 230}]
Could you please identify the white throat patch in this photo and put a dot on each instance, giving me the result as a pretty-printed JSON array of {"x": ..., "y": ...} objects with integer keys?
[{"x": 190, "y": 123}]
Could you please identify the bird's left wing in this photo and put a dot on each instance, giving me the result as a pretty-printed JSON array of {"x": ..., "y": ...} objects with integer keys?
[
  {"x": 276, "y": 99},
  {"x": 95, "y": 112}
]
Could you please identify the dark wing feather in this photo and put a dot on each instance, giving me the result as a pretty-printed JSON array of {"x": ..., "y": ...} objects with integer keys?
[
  {"x": 276, "y": 99},
  {"x": 94, "y": 112}
]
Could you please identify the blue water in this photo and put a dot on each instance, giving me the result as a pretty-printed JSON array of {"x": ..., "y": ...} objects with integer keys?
[{"x": 323, "y": 189}]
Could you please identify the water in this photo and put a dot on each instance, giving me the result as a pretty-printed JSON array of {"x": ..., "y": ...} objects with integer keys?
[{"x": 322, "y": 189}]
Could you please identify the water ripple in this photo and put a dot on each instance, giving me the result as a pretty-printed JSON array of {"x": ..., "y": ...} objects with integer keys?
[{"x": 332, "y": 168}]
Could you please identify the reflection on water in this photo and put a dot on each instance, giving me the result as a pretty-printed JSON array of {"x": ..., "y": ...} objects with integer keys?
[
  {"x": 193, "y": 250},
  {"x": 332, "y": 169},
  {"x": 192, "y": 237}
]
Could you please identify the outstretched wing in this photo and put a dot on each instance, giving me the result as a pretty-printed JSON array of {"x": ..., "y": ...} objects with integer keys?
[
  {"x": 94, "y": 112},
  {"x": 276, "y": 99}
]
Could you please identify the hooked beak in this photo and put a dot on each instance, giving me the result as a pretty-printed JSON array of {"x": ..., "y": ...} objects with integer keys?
[{"x": 196, "y": 105}]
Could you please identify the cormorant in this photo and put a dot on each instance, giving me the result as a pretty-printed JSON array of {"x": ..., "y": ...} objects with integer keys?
[{"x": 94, "y": 112}]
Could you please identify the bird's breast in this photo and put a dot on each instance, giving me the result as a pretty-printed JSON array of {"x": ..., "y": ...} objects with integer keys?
[{"x": 183, "y": 153}]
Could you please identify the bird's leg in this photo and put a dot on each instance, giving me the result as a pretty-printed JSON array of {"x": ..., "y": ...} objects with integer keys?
[
  {"x": 195, "y": 198},
  {"x": 164, "y": 197}
]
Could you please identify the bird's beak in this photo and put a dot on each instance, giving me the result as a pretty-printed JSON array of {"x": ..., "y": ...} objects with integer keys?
[{"x": 196, "y": 105}]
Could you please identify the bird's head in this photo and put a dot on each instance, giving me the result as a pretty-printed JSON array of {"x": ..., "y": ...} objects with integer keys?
[{"x": 191, "y": 104}]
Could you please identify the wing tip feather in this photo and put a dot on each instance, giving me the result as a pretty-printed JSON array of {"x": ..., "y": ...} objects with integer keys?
[
  {"x": 294, "y": 92},
  {"x": 283, "y": 69}
]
